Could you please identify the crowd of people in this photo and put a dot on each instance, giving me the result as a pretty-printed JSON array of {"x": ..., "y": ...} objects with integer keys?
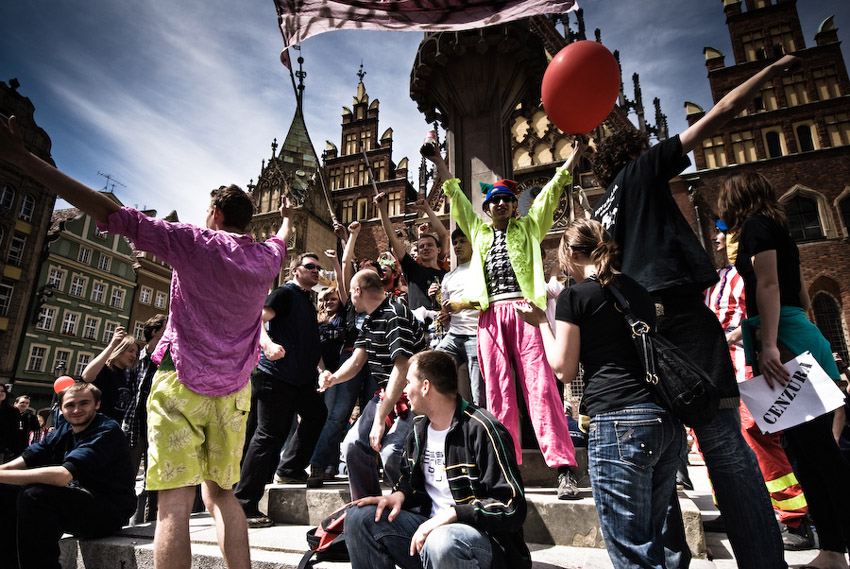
[{"x": 238, "y": 387}]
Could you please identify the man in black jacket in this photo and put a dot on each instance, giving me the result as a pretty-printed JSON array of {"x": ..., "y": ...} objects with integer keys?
[{"x": 479, "y": 517}]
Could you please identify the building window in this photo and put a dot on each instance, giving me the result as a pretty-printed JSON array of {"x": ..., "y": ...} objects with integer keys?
[
  {"x": 85, "y": 255},
  {"x": 7, "y": 288},
  {"x": 394, "y": 203},
  {"x": 46, "y": 318},
  {"x": 61, "y": 360},
  {"x": 362, "y": 175},
  {"x": 781, "y": 39},
  {"x": 379, "y": 169},
  {"x": 366, "y": 140},
  {"x": 774, "y": 143},
  {"x": 349, "y": 176},
  {"x": 828, "y": 320},
  {"x": 838, "y": 129},
  {"x": 753, "y": 46},
  {"x": 795, "y": 90},
  {"x": 350, "y": 143},
  {"x": 90, "y": 329},
  {"x": 844, "y": 210},
  {"x": 100, "y": 234},
  {"x": 743, "y": 146},
  {"x": 805, "y": 141},
  {"x": 7, "y": 196},
  {"x": 803, "y": 218},
  {"x": 104, "y": 263},
  {"x": 334, "y": 175},
  {"x": 69, "y": 324},
  {"x": 362, "y": 208},
  {"x": 160, "y": 300},
  {"x": 82, "y": 362},
  {"x": 27, "y": 208},
  {"x": 145, "y": 295},
  {"x": 826, "y": 82},
  {"x": 715, "y": 154},
  {"x": 117, "y": 300},
  {"x": 36, "y": 359},
  {"x": 56, "y": 278},
  {"x": 109, "y": 331},
  {"x": 139, "y": 331},
  {"x": 16, "y": 249},
  {"x": 347, "y": 213},
  {"x": 98, "y": 291},
  {"x": 78, "y": 286}
]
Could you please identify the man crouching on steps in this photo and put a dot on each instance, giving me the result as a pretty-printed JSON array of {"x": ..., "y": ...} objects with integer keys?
[{"x": 478, "y": 518}]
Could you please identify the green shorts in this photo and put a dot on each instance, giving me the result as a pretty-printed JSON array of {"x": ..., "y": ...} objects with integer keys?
[{"x": 193, "y": 437}]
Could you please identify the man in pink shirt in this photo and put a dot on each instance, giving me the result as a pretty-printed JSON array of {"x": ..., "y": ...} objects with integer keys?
[{"x": 200, "y": 395}]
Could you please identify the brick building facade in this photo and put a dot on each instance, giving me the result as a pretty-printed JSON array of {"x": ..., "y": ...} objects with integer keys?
[{"x": 797, "y": 134}]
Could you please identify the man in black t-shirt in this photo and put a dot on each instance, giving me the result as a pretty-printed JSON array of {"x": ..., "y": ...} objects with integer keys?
[
  {"x": 419, "y": 275},
  {"x": 283, "y": 385},
  {"x": 390, "y": 336},
  {"x": 661, "y": 252}
]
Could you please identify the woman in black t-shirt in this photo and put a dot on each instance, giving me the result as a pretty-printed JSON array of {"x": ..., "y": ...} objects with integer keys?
[
  {"x": 634, "y": 445},
  {"x": 768, "y": 259}
]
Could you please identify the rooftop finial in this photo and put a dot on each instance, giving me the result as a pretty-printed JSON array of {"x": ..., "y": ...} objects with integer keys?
[{"x": 361, "y": 74}]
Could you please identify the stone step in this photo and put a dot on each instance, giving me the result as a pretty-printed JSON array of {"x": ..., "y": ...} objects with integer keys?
[
  {"x": 549, "y": 521},
  {"x": 277, "y": 547}
]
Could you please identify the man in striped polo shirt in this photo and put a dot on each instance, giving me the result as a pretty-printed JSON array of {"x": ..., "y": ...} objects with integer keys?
[
  {"x": 726, "y": 299},
  {"x": 390, "y": 336}
]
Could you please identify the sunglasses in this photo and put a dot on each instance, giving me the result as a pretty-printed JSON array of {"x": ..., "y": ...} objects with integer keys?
[
  {"x": 312, "y": 267},
  {"x": 503, "y": 199}
]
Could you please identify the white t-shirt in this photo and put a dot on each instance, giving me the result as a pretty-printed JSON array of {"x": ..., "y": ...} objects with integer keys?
[
  {"x": 434, "y": 469},
  {"x": 463, "y": 322}
]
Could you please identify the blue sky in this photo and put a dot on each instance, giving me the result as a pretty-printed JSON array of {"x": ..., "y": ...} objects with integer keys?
[{"x": 175, "y": 98}]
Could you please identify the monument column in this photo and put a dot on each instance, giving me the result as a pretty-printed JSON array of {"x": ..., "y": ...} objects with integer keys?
[{"x": 471, "y": 82}]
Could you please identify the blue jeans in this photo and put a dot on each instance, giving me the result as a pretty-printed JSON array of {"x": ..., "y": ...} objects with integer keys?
[
  {"x": 741, "y": 496},
  {"x": 339, "y": 400},
  {"x": 384, "y": 544},
  {"x": 360, "y": 458},
  {"x": 633, "y": 455},
  {"x": 464, "y": 349}
]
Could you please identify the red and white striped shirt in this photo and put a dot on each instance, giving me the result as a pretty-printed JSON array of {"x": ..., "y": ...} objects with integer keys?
[{"x": 726, "y": 300}]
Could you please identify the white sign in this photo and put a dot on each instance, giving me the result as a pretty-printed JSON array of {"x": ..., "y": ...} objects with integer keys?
[{"x": 810, "y": 394}]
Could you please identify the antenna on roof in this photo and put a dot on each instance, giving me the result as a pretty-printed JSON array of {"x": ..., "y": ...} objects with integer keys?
[{"x": 111, "y": 182}]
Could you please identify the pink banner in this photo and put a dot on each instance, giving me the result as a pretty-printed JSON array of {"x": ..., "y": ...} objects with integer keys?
[{"x": 301, "y": 19}]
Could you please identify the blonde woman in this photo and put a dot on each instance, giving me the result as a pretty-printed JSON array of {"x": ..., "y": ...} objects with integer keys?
[{"x": 111, "y": 371}]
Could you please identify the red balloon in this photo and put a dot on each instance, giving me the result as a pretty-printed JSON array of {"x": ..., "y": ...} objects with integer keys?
[
  {"x": 63, "y": 382},
  {"x": 580, "y": 86}
]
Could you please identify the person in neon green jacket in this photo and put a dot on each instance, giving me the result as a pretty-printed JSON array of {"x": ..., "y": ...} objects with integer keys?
[{"x": 506, "y": 268}]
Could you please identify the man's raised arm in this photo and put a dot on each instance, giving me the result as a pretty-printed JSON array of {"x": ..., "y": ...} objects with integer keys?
[{"x": 13, "y": 151}]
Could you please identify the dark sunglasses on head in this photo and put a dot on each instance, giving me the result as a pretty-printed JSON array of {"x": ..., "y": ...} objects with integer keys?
[{"x": 312, "y": 267}]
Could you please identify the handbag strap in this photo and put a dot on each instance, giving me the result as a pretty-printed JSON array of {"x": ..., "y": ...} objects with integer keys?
[{"x": 641, "y": 333}]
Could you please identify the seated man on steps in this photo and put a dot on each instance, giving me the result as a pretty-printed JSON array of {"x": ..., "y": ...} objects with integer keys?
[
  {"x": 474, "y": 521},
  {"x": 77, "y": 480}
]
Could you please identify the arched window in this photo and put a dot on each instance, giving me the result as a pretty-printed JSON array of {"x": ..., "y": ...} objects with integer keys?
[
  {"x": 803, "y": 219},
  {"x": 804, "y": 136},
  {"x": 828, "y": 320},
  {"x": 7, "y": 196},
  {"x": 844, "y": 209},
  {"x": 27, "y": 208},
  {"x": 774, "y": 145}
]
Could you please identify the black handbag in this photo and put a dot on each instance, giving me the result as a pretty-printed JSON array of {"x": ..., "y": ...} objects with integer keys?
[{"x": 684, "y": 389}]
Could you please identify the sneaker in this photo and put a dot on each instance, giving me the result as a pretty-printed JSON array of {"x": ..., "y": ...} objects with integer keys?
[
  {"x": 317, "y": 477},
  {"x": 290, "y": 478},
  {"x": 567, "y": 486},
  {"x": 259, "y": 521},
  {"x": 800, "y": 537}
]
